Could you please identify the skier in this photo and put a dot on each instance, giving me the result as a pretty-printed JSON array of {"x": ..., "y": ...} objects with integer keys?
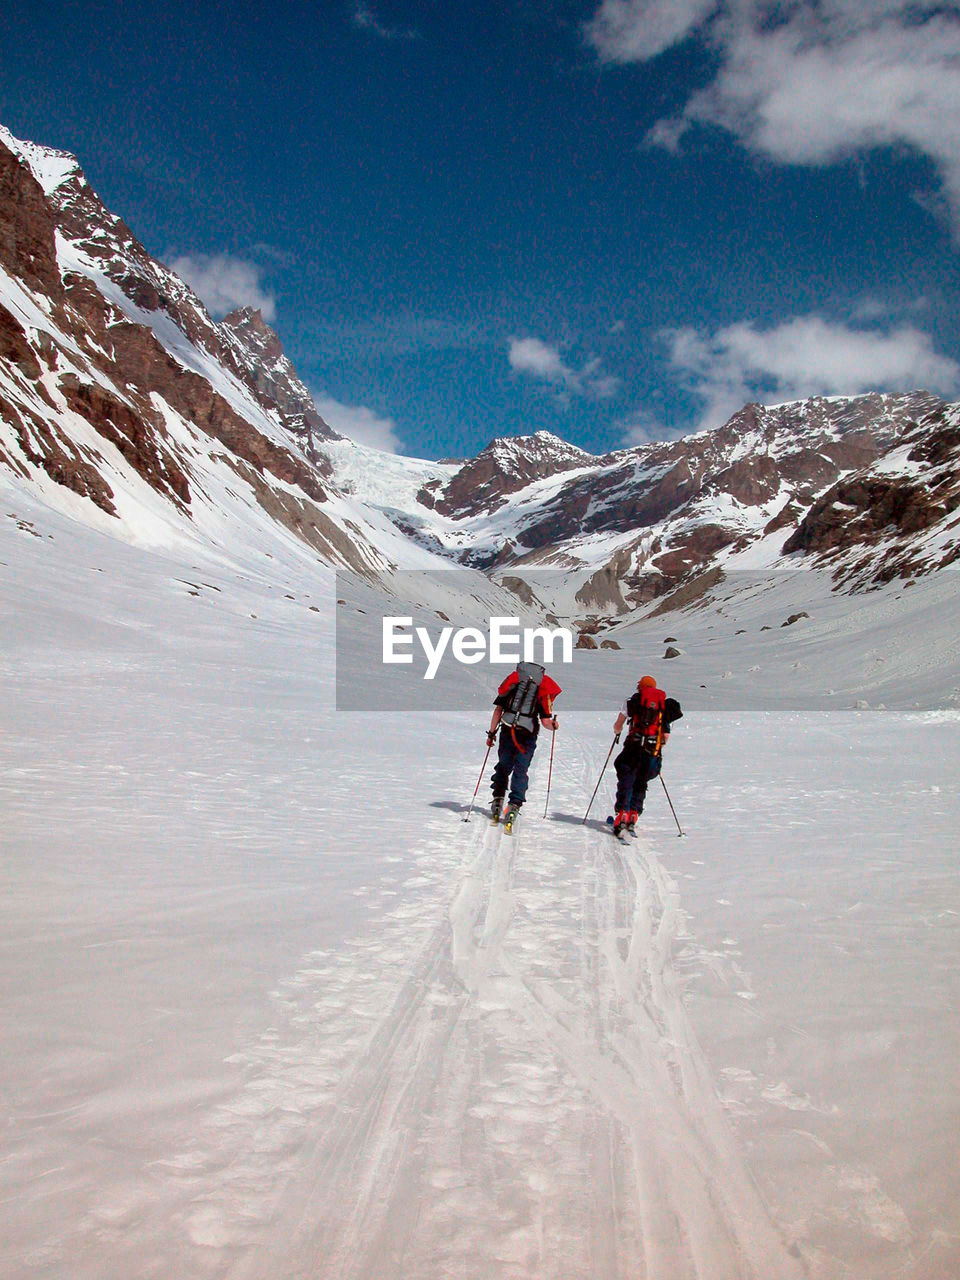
[
  {"x": 524, "y": 701},
  {"x": 650, "y": 714}
]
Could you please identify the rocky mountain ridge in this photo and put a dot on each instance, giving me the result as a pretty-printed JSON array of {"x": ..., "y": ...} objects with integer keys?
[
  {"x": 118, "y": 389},
  {"x": 652, "y": 516}
]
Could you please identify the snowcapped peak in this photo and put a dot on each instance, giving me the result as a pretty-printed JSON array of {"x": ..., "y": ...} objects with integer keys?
[
  {"x": 548, "y": 437},
  {"x": 50, "y": 168},
  {"x": 540, "y": 444}
]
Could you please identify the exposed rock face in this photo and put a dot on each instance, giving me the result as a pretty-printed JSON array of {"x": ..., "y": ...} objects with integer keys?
[
  {"x": 135, "y": 434},
  {"x": 674, "y": 508},
  {"x": 894, "y": 517},
  {"x": 521, "y": 589},
  {"x": 244, "y": 345},
  {"x": 272, "y": 375},
  {"x": 27, "y": 249},
  {"x": 762, "y": 471},
  {"x": 873, "y": 506},
  {"x": 602, "y": 589},
  {"x": 689, "y": 592}
]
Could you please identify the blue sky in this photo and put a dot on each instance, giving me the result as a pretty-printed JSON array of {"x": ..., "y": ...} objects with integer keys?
[{"x": 612, "y": 219}]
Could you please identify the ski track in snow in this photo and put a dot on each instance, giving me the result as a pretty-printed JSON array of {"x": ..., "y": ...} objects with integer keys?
[{"x": 502, "y": 1082}]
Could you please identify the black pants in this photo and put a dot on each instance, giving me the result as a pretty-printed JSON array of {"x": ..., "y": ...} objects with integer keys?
[
  {"x": 513, "y": 762},
  {"x": 635, "y": 767}
]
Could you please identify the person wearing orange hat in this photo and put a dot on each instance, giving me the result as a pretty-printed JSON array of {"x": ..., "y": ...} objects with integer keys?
[{"x": 649, "y": 714}]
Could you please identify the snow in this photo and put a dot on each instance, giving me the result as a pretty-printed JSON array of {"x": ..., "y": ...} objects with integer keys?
[
  {"x": 271, "y": 1009},
  {"x": 224, "y": 511},
  {"x": 28, "y": 309},
  {"x": 387, "y": 480}
]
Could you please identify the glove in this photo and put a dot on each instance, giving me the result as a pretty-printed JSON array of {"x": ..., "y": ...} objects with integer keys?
[
  {"x": 491, "y": 737},
  {"x": 616, "y": 737}
]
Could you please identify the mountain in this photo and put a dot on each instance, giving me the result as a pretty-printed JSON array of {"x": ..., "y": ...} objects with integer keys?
[
  {"x": 896, "y": 518},
  {"x": 118, "y": 389},
  {"x": 774, "y": 487},
  {"x": 504, "y": 467},
  {"x": 125, "y": 404}
]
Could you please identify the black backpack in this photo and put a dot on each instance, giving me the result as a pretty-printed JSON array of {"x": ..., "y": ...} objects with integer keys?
[{"x": 521, "y": 711}]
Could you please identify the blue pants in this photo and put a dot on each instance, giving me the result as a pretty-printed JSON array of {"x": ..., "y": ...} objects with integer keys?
[
  {"x": 634, "y": 769},
  {"x": 512, "y": 766}
]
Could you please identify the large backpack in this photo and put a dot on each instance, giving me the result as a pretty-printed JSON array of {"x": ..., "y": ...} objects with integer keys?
[
  {"x": 645, "y": 710},
  {"x": 651, "y": 714},
  {"x": 521, "y": 711}
]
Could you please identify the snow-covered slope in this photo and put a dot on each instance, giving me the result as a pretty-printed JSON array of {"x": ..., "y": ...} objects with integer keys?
[{"x": 272, "y": 1009}]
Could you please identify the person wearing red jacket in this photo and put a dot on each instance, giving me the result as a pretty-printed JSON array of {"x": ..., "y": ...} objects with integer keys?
[
  {"x": 518, "y": 711},
  {"x": 649, "y": 713}
]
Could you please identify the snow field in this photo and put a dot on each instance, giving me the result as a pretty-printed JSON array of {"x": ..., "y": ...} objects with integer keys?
[{"x": 272, "y": 1008}]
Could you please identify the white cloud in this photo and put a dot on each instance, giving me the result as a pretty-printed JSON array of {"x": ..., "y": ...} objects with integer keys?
[
  {"x": 804, "y": 357},
  {"x": 224, "y": 283},
  {"x": 530, "y": 355},
  {"x": 541, "y": 360},
  {"x": 813, "y": 82},
  {"x": 361, "y": 424},
  {"x": 594, "y": 382},
  {"x": 366, "y": 19},
  {"x": 634, "y": 30},
  {"x": 667, "y": 134},
  {"x": 872, "y": 310}
]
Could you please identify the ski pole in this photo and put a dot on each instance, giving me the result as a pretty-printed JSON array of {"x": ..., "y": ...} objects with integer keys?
[
  {"x": 553, "y": 739},
  {"x": 616, "y": 739},
  {"x": 672, "y": 809},
  {"x": 479, "y": 780}
]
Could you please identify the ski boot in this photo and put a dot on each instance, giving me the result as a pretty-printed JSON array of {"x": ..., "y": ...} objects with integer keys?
[
  {"x": 496, "y": 808},
  {"x": 632, "y": 817},
  {"x": 510, "y": 821},
  {"x": 620, "y": 823}
]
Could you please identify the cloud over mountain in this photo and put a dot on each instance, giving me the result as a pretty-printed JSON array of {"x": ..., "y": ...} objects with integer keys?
[
  {"x": 542, "y": 361},
  {"x": 224, "y": 283},
  {"x": 805, "y": 356},
  {"x": 359, "y": 423}
]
